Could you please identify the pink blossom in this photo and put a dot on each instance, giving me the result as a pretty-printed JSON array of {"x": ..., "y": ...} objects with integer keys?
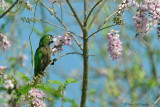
[
  {"x": 60, "y": 41},
  {"x": 8, "y": 84},
  {"x": 114, "y": 44},
  {"x": 3, "y": 68},
  {"x": 37, "y": 97},
  {"x": 3, "y": 1},
  {"x": 4, "y": 43},
  {"x": 140, "y": 22}
]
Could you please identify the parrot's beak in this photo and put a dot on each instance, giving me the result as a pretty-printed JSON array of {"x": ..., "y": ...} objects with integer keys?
[{"x": 52, "y": 40}]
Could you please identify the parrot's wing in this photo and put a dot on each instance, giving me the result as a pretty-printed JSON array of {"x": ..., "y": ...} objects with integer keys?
[{"x": 37, "y": 59}]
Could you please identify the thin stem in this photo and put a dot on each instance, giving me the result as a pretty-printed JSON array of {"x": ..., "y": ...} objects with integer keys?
[
  {"x": 74, "y": 13},
  {"x": 51, "y": 11},
  {"x": 100, "y": 30},
  {"x": 109, "y": 18},
  {"x": 102, "y": 25},
  {"x": 63, "y": 96},
  {"x": 9, "y": 9},
  {"x": 155, "y": 102},
  {"x": 31, "y": 34},
  {"x": 96, "y": 14},
  {"x": 62, "y": 56},
  {"x": 93, "y": 9},
  {"x": 85, "y": 11}
]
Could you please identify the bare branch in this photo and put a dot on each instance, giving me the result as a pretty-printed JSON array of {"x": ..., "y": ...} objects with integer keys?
[
  {"x": 101, "y": 30},
  {"x": 60, "y": 27},
  {"x": 155, "y": 102},
  {"x": 63, "y": 56},
  {"x": 63, "y": 96},
  {"x": 101, "y": 26},
  {"x": 93, "y": 9},
  {"x": 75, "y": 15},
  {"x": 85, "y": 11},
  {"x": 96, "y": 14},
  {"x": 51, "y": 11},
  {"x": 9, "y": 9}
]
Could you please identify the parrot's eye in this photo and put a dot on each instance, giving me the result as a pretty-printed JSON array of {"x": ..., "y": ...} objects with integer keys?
[{"x": 48, "y": 37}]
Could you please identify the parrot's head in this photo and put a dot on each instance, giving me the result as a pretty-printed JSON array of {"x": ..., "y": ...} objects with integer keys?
[{"x": 46, "y": 40}]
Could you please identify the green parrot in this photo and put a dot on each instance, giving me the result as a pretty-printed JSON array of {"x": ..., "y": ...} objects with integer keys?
[{"x": 43, "y": 55}]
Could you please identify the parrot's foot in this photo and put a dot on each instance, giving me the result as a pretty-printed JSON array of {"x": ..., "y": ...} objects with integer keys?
[{"x": 54, "y": 60}]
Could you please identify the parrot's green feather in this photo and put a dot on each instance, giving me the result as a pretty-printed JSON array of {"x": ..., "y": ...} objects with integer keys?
[
  {"x": 43, "y": 55},
  {"x": 37, "y": 59}
]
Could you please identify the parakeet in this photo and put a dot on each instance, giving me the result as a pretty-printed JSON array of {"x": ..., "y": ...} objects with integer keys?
[{"x": 43, "y": 55}]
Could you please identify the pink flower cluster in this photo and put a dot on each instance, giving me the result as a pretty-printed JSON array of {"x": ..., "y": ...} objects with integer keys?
[
  {"x": 60, "y": 41},
  {"x": 140, "y": 22},
  {"x": 123, "y": 6},
  {"x": 4, "y": 43},
  {"x": 153, "y": 8},
  {"x": 37, "y": 97},
  {"x": 4, "y": 5},
  {"x": 147, "y": 16},
  {"x": 8, "y": 83},
  {"x": 114, "y": 44}
]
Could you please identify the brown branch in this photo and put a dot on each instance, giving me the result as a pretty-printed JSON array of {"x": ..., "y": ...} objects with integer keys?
[
  {"x": 59, "y": 27},
  {"x": 9, "y": 9},
  {"x": 63, "y": 96},
  {"x": 74, "y": 13},
  {"x": 102, "y": 25},
  {"x": 66, "y": 28},
  {"x": 155, "y": 102},
  {"x": 62, "y": 56},
  {"x": 93, "y": 9},
  {"x": 96, "y": 14},
  {"x": 100, "y": 30},
  {"x": 53, "y": 13}
]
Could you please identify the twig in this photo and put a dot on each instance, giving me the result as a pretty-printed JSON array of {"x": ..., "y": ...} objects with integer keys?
[
  {"x": 155, "y": 102},
  {"x": 9, "y": 9},
  {"x": 85, "y": 12},
  {"x": 51, "y": 11},
  {"x": 31, "y": 34},
  {"x": 93, "y": 9},
  {"x": 102, "y": 25},
  {"x": 63, "y": 96},
  {"x": 96, "y": 14},
  {"x": 60, "y": 27},
  {"x": 62, "y": 56},
  {"x": 75, "y": 15},
  {"x": 101, "y": 30}
]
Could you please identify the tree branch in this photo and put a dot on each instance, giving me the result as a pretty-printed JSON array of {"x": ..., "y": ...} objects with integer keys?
[
  {"x": 155, "y": 102},
  {"x": 9, "y": 9},
  {"x": 65, "y": 27},
  {"x": 31, "y": 34},
  {"x": 93, "y": 9},
  {"x": 52, "y": 13},
  {"x": 75, "y": 15},
  {"x": 102, "y": 25},
  {"x": 100, "y": 30},
  {"x": 60, "y": 27},
  {"x": 85, "y": 11},
  {"x": 62, "y": 56},
  {"x": 63, "y": 96},
  {"x": 96, "y": 14}
]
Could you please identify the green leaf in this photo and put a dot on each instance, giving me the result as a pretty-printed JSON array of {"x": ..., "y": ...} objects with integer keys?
[
  {"x": 48, "y": 29},
  {"x": 69, "y": 80},
  {"x": 2, "y": 88},
  {"x": 25, "y": 78},
  {"x": 56, "y": 82}
]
